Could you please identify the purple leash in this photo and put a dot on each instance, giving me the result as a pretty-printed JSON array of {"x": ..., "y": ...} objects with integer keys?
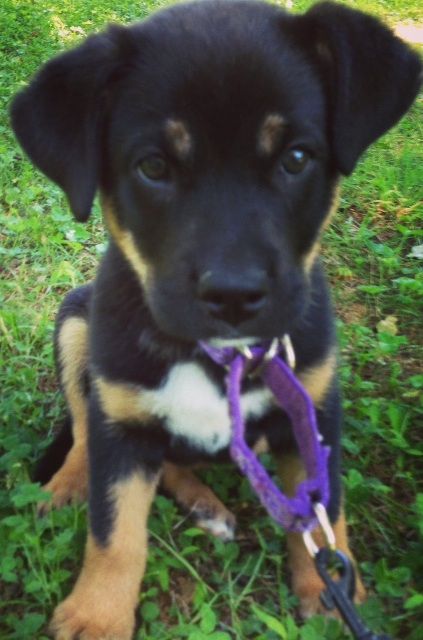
[
  {"x": 296, "y": 513},
  {"x": 304, "y": 511}
]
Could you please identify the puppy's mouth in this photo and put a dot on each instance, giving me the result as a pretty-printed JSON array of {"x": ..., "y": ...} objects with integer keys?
[
  {"x": 269, "y": 349},
  {"x": 235, "y": 343},
  {"x": 184, "y": 318}
]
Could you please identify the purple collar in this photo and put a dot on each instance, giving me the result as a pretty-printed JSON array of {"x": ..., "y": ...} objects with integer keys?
[{"x": 296, "y": 513}]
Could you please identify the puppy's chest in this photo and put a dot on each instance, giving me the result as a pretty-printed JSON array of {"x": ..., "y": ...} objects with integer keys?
[{"x": 191, "y": 405}]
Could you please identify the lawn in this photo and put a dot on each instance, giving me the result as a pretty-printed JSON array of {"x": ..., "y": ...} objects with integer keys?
[{"x": 196, "y": 587}]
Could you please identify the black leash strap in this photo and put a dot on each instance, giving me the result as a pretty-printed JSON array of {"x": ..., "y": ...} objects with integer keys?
[{"x": 340, "y": 590}]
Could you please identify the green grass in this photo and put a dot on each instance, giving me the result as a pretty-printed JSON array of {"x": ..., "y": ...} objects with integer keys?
[{"x": 196, "y": 587}]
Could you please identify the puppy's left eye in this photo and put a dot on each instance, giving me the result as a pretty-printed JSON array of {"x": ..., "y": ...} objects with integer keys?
[
  {"x": 154, "y": 168},
  {"x": 295, "y": 160}
]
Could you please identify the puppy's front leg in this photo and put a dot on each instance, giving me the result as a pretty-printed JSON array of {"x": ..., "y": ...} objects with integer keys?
[
  {"x": 306, "y": 583},
  {"x": 122, "y": 486}
]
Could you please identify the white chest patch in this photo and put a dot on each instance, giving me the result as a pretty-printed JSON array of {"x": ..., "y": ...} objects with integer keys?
[{"x": 193, "y": 407}]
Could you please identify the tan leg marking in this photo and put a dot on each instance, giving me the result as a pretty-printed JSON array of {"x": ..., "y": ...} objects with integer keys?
[
  {"x": 102, "y": 603},
  {"x": 261, "y": 446},
  {"x": 70, "y": 482},
  {"x": 306, "y": 584},
  {"x": 121, "y": 402},
  {"x": 209, "y": 512}
]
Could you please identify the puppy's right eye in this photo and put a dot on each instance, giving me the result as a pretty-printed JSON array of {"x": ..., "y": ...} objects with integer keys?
[
  {"x": 154, "y": 168},
  {"x": 295, "y": 160}
]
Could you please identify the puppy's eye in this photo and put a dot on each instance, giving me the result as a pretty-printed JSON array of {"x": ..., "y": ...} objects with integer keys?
[
  {"x": 295, "y": 160},
  {"x": 154, "y": 168}
]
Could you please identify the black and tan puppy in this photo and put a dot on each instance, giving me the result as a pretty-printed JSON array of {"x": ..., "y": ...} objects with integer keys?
[{"x": 215, "y": 133}]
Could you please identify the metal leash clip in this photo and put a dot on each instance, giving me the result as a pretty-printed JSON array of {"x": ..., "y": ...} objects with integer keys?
[{"x": 338, "y": 574}]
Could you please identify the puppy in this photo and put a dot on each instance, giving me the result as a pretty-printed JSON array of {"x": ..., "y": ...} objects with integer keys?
[{"x": 215, "y": 133}]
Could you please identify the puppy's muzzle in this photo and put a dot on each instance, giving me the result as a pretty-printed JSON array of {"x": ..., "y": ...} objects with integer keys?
[{"x": 233, "y": 298}]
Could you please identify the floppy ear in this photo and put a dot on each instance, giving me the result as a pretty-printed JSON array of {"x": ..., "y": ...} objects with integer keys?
[
  {"x": 372, "y": 76},
  {"x": 58, "y": 117}
]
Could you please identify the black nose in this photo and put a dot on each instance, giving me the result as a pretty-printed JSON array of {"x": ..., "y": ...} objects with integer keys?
[{"x": 233, "y": 298}]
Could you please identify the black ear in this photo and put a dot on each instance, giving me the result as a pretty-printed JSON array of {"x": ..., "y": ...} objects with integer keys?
[
  {"x": 58, "y": 117},
  {"x": 372, "y": 76}
]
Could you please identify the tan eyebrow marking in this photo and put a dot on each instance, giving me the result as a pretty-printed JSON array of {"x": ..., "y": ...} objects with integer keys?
[
  {"x": 179, "y": 136},
  {"x": 270, "y": 133}
]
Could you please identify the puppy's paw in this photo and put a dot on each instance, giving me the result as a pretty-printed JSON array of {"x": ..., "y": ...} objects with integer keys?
[
  {"x": 65, "y": 489},
  {"x": 215, "y": 519},
  {"x": 70, "y": 483},
  {"x": 84, "y": 618},
  {"x": 208, "y": 512}
]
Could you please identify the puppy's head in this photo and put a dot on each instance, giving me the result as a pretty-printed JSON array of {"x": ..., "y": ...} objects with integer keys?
[{"x": 216, "y": 132}]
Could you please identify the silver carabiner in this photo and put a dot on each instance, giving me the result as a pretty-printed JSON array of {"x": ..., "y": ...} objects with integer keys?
[{"x": 324, "y": 522}]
